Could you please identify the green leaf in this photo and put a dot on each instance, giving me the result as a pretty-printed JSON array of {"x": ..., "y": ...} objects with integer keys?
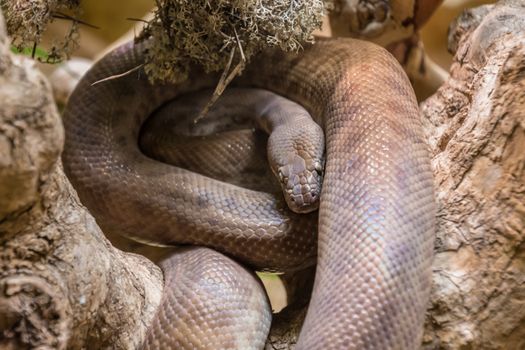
[
  {"x": 268, "y": 275},
  {"x": 40, "y": 53}
]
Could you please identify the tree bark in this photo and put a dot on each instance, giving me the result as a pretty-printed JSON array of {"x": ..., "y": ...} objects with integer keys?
[
  {"x": 63, "y": 285},
  {"x": 476, "y": 130}
]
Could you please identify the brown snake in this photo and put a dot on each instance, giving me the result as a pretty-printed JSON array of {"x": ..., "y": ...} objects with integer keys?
[
  {"x": 376, "y": 214},
  {"x": 295, "y": 146}
]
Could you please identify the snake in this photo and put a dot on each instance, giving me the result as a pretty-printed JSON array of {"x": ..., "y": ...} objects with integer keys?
[
  {"x": 225, "y": 145},
  {"x": 295, "y": 146},
  {"x": 372, "y": 236}
]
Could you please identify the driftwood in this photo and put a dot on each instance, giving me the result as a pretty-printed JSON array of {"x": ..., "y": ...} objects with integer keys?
[
  {"x": 476, "y": 130},
  {"x": 63, "y": 285}
]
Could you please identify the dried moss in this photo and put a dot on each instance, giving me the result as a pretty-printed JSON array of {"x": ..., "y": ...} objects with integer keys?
[
  {"x": 27, "y": 20},
  {"x": 207, "y": 32},
  {"x": 183, "y": 32}
]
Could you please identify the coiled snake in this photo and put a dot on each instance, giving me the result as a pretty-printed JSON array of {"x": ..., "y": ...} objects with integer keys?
[{"x": 376, "y": 214}]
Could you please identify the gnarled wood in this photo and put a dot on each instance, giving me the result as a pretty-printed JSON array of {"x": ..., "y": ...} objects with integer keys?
[
  {"x": 62, "y": 285},
  {"x": 476, "y": 129}
]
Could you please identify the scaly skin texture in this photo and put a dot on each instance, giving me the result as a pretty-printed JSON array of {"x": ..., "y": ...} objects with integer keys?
[
  {"x": 224, "y": 145},
  {"x": 295, "y": 146},
  {"x": 115, "y": 179},
  {"x": 195, "y": 289},
  {"x": 376, "y": 215},
  {"x": 235, "y": 157}
]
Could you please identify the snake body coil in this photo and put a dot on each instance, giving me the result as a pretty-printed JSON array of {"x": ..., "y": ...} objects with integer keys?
[{"x": 376, "y": 215}]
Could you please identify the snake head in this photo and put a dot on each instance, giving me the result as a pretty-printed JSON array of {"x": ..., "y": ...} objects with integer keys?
[{"x": 301, "y": 183}]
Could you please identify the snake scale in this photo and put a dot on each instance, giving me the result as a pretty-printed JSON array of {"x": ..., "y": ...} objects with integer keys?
[{"x": 375, "y": 225}]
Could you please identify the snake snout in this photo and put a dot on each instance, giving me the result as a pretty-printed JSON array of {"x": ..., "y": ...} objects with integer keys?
[{"x": 301, "y": 184}]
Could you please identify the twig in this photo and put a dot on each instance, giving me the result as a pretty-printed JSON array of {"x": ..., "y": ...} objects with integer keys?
[
  {"x": 33, "y": 52},
  {"x": 116, "y": 76},
  {"x": 225, "y": 78},
  {"x": 136, "y": 19},
  {"x": 219, "y": 89},
  {"x": 241, "y": 51},
  {"x": 60, "y": 15}
]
